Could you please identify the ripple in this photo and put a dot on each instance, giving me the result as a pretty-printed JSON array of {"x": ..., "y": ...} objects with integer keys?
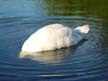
[{"x": 83, "y": 62}]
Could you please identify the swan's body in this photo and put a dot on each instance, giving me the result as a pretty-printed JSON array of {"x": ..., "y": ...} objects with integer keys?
[{"x": 54, "y": 36}]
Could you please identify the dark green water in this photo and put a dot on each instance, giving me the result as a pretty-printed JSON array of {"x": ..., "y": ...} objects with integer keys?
[{"x": 87, "y": 61}]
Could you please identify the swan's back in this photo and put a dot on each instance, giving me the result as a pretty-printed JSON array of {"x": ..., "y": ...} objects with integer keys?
[{"x": 51, "y": 37}]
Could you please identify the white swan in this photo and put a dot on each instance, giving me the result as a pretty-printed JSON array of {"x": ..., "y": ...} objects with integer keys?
[{"x": 54, "y": 36}]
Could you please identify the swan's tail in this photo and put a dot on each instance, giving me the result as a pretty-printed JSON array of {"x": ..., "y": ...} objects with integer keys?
[{"x": 83, "y": 29}]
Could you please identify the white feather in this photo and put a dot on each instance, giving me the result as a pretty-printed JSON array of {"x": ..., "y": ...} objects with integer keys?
[{"x": 54, "y": 36}]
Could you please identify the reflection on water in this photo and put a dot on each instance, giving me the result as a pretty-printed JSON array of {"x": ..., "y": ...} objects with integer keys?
[
  {"x": 50, "y": 57},
  {"x": 85, "y": 62}
]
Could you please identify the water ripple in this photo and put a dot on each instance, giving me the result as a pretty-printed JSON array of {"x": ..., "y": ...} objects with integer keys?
[{"x": 82, "y": 62}]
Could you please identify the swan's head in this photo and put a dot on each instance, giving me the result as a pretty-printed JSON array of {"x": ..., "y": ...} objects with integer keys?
[{"x": 83, "y": 29}]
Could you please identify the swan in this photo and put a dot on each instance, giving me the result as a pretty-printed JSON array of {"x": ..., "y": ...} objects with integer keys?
[{"x": 54, "y": 36}]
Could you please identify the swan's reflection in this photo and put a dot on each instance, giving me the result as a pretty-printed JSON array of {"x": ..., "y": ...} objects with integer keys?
[{"x": 50, "y": 56}]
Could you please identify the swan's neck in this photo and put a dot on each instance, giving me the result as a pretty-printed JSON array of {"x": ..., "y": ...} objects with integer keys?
[{"x": 77, "y": 36}]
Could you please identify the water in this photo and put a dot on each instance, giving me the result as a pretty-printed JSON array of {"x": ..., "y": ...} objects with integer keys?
[{"x": 88, "y": 61}]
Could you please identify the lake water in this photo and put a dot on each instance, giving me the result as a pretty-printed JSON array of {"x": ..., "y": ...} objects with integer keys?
[{"x": 88, "y": 61}]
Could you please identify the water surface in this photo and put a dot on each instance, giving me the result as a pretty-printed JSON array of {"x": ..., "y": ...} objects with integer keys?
[{"x": 88, "y": 61}]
